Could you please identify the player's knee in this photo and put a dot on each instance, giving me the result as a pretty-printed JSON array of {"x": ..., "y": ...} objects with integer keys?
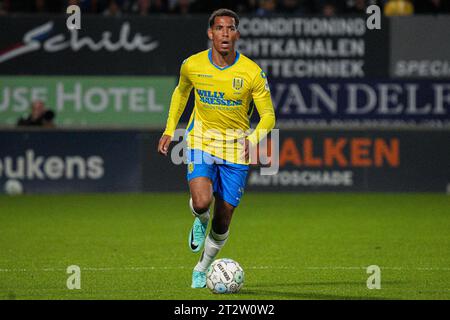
[{"x": 201, "y": 204}]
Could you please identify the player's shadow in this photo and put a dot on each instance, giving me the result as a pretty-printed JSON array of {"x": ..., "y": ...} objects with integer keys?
[
  {"x": 323, "y": 283},
  {"x": 306, "y": 295},
  {"x": 310, "y": 293}
]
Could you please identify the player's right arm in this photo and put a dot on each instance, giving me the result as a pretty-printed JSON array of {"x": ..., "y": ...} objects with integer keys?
[{"x": 178, "y": 102}]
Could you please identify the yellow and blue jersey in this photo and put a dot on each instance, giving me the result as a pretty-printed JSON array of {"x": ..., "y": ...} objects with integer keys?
[{"x": 224, "y": 100}]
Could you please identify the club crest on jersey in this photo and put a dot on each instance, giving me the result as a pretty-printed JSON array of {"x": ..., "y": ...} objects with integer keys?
[{"x": 238, "y": 83}]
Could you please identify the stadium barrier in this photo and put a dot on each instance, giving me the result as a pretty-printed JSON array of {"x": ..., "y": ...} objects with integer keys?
[{"x": 67, "y": 161}]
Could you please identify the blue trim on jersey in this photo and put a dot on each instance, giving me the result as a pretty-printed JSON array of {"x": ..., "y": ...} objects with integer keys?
[
  {"x": 190, "y": 127},
  {"x": 220, "y": 68},
  {"x": 192, "y": 124}
]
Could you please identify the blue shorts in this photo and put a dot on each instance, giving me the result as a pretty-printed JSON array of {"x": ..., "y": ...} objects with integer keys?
[{"x": 228, "y": 178}]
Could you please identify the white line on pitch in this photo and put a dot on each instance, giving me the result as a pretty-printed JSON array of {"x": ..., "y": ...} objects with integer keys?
[
  {"x": 127, "y": 268},
  {"x": 250, "y": 267}
]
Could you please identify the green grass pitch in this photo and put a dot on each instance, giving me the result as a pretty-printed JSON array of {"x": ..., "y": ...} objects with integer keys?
[{"x": 291, "y": 246}]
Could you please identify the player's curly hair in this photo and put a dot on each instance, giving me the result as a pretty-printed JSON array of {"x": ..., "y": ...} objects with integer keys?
[{"x": 223, "y": 13}]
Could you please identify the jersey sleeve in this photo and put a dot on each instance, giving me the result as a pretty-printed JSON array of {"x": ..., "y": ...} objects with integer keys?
[
  {"x": 179, "y": 99},
  {"x": 263, "y": 103}
]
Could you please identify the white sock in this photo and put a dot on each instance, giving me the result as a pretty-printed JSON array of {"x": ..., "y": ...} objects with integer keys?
[
  {"x": 213, "y": 243},
  {"x": 204, "y": 217}
]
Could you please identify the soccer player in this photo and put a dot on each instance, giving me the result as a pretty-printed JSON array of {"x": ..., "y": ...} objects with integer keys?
[{"x": 227, "y": 85}]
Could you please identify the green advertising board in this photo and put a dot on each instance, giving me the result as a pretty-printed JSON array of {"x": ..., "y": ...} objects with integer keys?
[{"x": 89, "y": 100}]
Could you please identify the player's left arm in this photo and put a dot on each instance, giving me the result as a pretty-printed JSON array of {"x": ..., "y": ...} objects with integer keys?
[
  {"x": 178, "y": 102},
  {"x": 264, "y": 105}
]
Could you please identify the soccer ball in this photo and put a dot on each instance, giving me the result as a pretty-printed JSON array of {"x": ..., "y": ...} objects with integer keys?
[
  {"x": 225, "y": 276},
  {"x": 13, "y": 187}
]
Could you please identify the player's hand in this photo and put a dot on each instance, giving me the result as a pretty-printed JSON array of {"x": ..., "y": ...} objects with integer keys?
[
  {"x": 164, "y": 142},
  {"x": 247, "y": 149},
  {"x": 246, "y": 144}
]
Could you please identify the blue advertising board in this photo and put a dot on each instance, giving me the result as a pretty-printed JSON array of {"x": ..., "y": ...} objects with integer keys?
[
  {"x": 367, "y": 103},
  {"x": 70, "y": 161},
  {"x": 354, "y": 160}
]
